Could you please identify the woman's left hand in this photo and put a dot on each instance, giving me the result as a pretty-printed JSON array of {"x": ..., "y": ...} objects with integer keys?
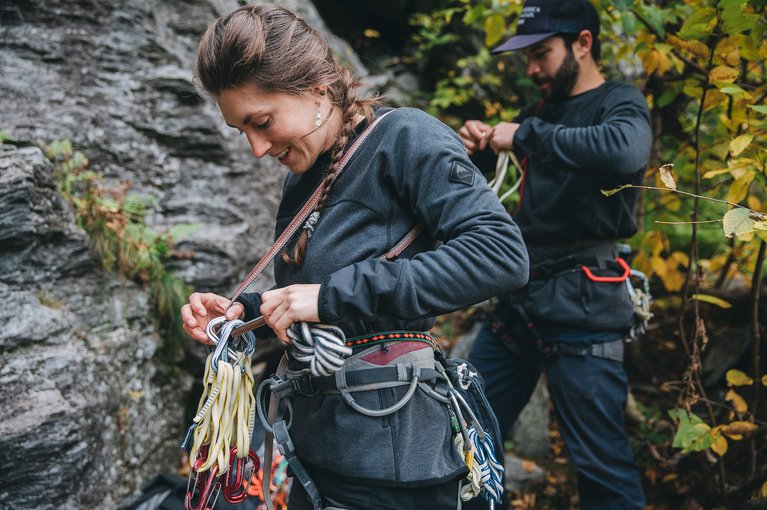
[{"x": 295, "y": 303}]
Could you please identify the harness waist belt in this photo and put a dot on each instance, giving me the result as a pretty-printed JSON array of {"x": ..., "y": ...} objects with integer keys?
[
  {"x": 364, "y": 341},
  {"x": 357, "y": 380},
  {"x": 601, "y": 255},
  {"x": 608, "y": 350}
]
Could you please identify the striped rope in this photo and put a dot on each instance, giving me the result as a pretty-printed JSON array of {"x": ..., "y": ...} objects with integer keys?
[
  {"x": 491, "y": 471},
  {"x": 321, "y": 346}
]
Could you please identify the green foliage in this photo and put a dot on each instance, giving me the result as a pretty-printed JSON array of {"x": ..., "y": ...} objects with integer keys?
[
  {"x": 692, "y": 433},
  {"x": 115, "y": 222},
  {"x": 6, "y": 137}
]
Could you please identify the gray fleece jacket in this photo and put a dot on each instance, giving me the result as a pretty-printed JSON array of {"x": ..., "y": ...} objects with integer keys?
[{"x": 412, "y": 168}]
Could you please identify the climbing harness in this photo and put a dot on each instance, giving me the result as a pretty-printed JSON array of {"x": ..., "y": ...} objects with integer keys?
[{"x": 452, "y": 383}]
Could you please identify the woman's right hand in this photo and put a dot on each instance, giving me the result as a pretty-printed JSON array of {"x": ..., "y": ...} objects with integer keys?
[{"x": 202, "y": 308}]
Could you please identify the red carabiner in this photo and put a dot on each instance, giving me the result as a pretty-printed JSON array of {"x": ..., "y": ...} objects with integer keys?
[
  {"x": 609, "y": 279},
  {"x": 237, "y": 480},
  {"x": 209, "y": 483},
  {"x": 205, "y": 483}
]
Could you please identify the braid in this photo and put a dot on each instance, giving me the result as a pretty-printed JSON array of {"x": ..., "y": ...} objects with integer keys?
[{"x": 348, "y": 97}]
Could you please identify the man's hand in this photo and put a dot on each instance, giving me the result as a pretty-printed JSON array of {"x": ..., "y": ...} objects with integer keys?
[
  {"x": 475, "y": 135},
  {"x": 502, "y": 136},
  {"x": 295, "y": 303},
  {"x": 203, "y": 307}
]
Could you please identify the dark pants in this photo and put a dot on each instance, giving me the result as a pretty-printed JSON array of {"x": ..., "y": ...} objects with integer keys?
[
  {"x": 338, "y": 493},
  {"x": 589, "y": 396}
]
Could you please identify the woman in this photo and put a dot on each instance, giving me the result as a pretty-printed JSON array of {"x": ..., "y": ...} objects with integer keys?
[{"x": 275, "y": 80}]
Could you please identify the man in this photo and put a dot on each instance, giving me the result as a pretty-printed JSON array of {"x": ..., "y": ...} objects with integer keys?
[{"x": 585, "y": 134}]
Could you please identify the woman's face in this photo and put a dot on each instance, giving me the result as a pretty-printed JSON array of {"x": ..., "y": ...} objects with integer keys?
[{"x": 280, "y": 125}]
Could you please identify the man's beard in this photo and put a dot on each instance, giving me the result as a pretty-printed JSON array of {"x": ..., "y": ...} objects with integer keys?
[{"x": 563, "y": 81}]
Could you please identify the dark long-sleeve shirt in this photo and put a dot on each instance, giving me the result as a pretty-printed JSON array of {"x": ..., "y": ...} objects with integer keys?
[
  {"x": 596, "y": 140},
  {"x": 412, "y": 168}
]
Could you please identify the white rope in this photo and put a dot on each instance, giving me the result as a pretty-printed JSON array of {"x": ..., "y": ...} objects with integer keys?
[
  {"x": 505, "y": 158},
  {"x": 321, "y": 346},
  {"x": 473, "y": 485}
]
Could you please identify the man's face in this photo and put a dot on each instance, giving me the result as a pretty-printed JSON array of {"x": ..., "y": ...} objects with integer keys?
[{"x": 553, "y": 67}]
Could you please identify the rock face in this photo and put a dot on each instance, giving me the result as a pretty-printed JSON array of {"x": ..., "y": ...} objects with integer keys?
[{"x": 89, "y": 412}]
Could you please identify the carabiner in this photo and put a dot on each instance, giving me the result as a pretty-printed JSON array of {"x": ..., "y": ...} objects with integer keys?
[
  {"x": 238, "y": 478},
  {"x": 206, "y": 483},
  {"x": 609, "y": 279}
]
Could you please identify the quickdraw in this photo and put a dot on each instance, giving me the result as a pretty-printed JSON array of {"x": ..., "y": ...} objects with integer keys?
[{"x": 222, "y": 427}]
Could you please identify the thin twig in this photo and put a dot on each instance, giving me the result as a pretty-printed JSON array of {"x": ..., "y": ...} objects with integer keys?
[
  {"x": 756, "y": 284},
  {"x": 686, "y": 222}
]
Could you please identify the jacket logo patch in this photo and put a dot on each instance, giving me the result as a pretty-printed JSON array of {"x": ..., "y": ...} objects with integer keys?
[{"x": 461, "y": 175}]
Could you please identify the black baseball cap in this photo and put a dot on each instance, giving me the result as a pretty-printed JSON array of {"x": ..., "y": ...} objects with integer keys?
[{"x": 541, "y": 19}]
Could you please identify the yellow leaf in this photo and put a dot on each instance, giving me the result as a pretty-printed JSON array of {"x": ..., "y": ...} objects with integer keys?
[
  {"x": 737, "y": 401},
  {"x": 739, "y": 188},
  {"x": 763, "y": 491},
  {"x": 739, "y": 144},
  {"x": 727, "y": 51},
  {"x": 658, "y": 265},
  {"x": 666, "y": 176},
  {"x": 738, "y": 428},
  {"x": 371, "y": 33},
  {"x": 739, "y": 166},
  {"x": 650, "y": 61},
  {"x": 738, "y": 378},
  {"x": 706, "y": 298},
  {"x": 655, "y": 241},
  {"x": 664, "y": 62},
  {"x": 719, "y": 445},
  {"x": 746, "y": 237},
  {"x": 753, "y": 203},
  {"x": 764, "y": 380},
  {"x": 714, "y": 98},
  {"x": 495, "y": 25},
  {"x": 694, "y": 46},
  {"x": 714, "y": 173},
  {"x": 681, "y": 257},
  {"x": 723, "y": 74},
  {"x": 673, "y": 281}
]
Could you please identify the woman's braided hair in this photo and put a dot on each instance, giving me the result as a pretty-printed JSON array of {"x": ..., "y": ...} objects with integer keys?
[{"x": 271, "y": 49}]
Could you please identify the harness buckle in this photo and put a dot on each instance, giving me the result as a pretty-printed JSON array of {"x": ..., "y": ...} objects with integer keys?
[
  {"x": 281, "y": 387},
  {"x": 304, "y": 385}
]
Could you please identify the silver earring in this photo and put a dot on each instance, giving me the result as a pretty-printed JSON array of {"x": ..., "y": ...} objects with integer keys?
[{"x": 318, "y": 120}]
